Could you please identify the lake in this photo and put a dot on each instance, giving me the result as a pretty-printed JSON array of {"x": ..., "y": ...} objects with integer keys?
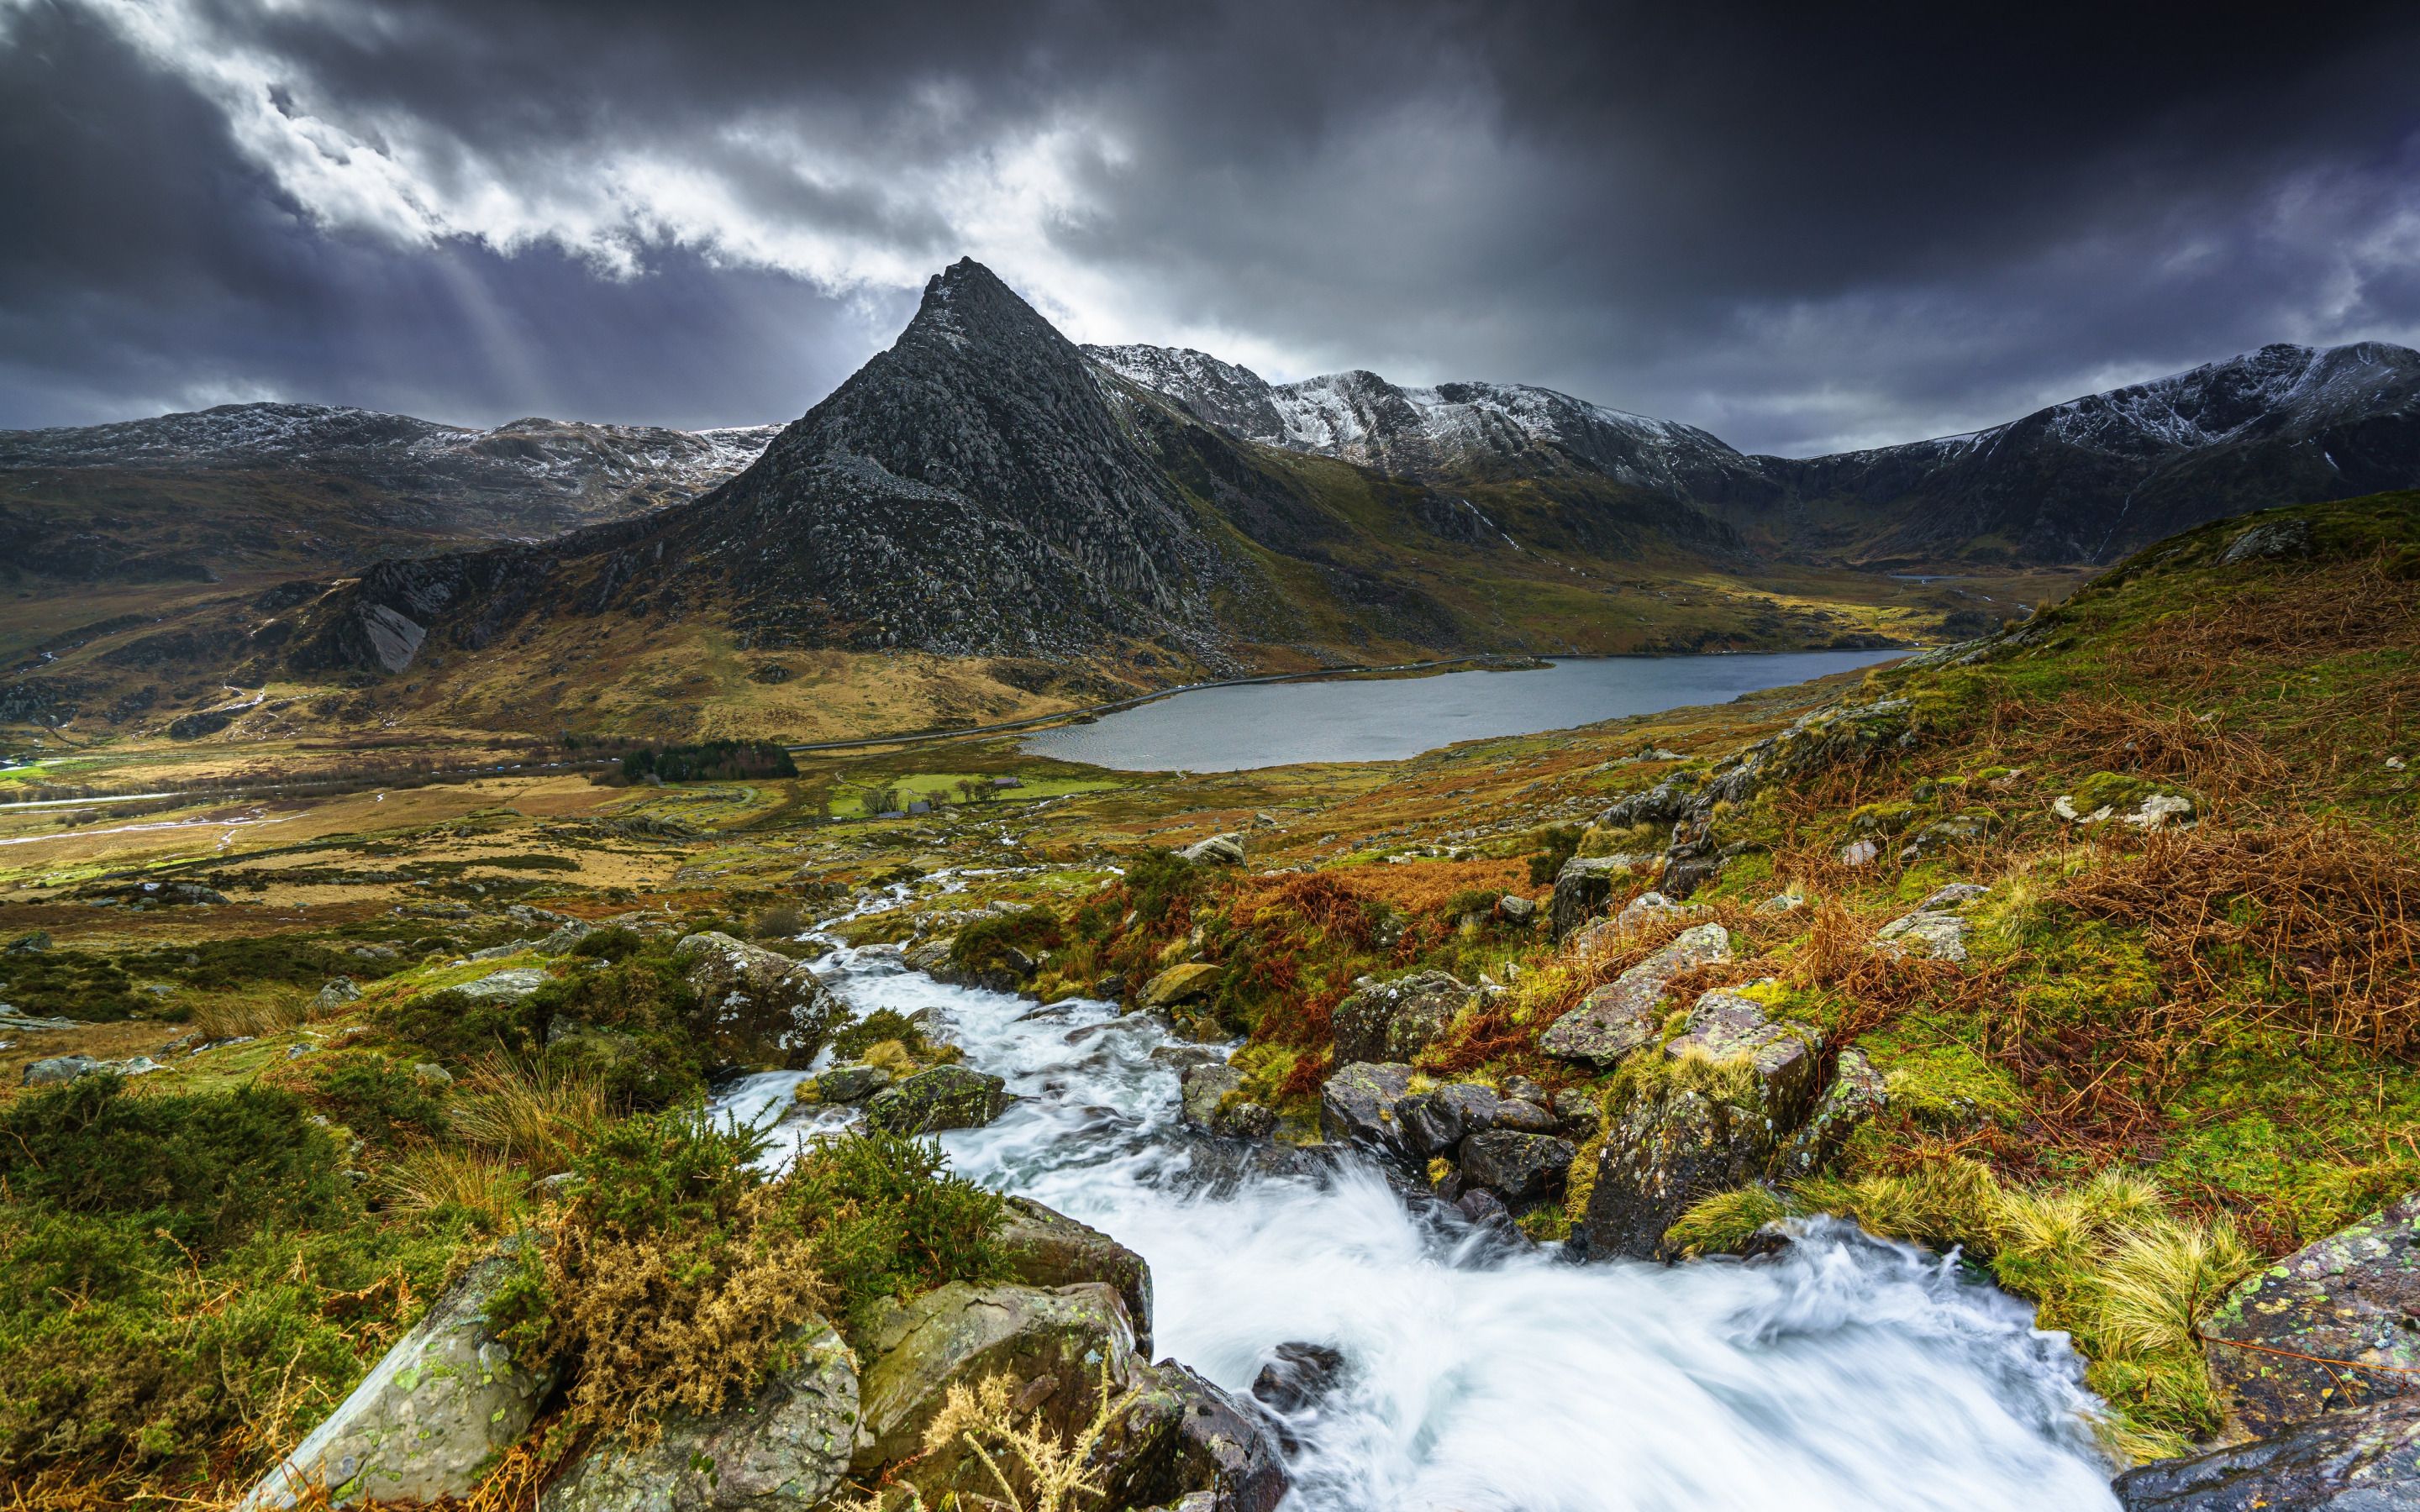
[{"x": 1378, "y": 719}]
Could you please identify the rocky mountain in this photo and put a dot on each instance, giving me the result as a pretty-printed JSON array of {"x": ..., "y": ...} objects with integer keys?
[
  {"x": 2080, "y": 482},
  {"x": 530, "y": 477},
  {"x": 984, "y": 487}
]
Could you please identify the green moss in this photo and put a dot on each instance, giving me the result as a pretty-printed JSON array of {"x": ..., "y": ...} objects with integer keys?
[{"x": 1949, "y": 1086}]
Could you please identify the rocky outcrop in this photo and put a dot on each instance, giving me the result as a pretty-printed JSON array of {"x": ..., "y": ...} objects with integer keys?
[
  {"x": 1430, "y": 1124},
  {"x": 1521, "y": 1169},
  {"x": 759, "y": 1009},
  {"x": 1218, "y": 850},
  {"x": 1395, "y": 1021},
  {"x": 1697, "y": 1135},
  {"x": 1618, "y": 1018},
  {"x": 1043, "y": 1248},
  {"x": 1584, "y": 887},
  {"x": 1358, "y": 1107},
  {"x": 2367, "y": 1459},
  {"x": 1079, "y": 1337},
  {"x": 1211, "y": 1098},
  {"x": 785, "y": 1450},
  {"x": 2351, "y": 1297},
  {"x": 1858, "y": 1093},
  {"x": 428, "y": 1419},
  {"x": 944, "y": 1097},
  {"x": 1184, "y": 1443}
]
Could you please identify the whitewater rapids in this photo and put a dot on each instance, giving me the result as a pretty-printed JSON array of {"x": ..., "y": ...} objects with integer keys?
[{"x": 1845, "y": 1375}]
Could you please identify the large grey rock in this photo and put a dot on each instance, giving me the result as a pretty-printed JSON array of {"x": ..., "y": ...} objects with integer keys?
[
  {"x": 1397, "y": 1020},
  {"x": 1618, "y": 1018},
  {"x": 513, "y": 982},
  {"x": 761, "y": 1009},
  {"x": 428, "y": 1419},
  {"x": 845, "y": 1084},
  {"x": 1729, "y": 1031},
  {"x": 1521, "y": 1168},
  {"x": 1583, "y": 889},
  {"x": 2367, "y": 1459},
  {"x": 1358, "y": 1107},
  {"x": 1210, "y": 1104},
  {"x": 1928, "y": 933},
  {"x": 1044, "y": 1247},
  {"x": 1079, "y": 1336},
  {"x": 2353, "y": 1296},
  {"x": 944, "y": 1097},
  {"x": 1434, "y": 1123},
  {"x": 335, "y": 995},
  {"x": 1858, "y": 1093},
  {"x": 786, "y": 1450},
  {"x": 1218, "y": 850},
  {"x": 1663, "y": 1154},
  {"x": 1182, "y": 1442},
  {"x": 56, "y": 1069}
]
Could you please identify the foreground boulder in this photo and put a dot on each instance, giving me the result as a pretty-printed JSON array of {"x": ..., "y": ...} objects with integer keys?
[
  {"x": 1661, "y": 1155},
  {"x": 1583, "y": 889},
  {"x": 787, "y": 1447},
  {"x": 760, "y": 1008},
  {"x": 945, "y": 1097},
  {"x": 1184, "y": 1443},
  {"x": 1858, "y": 1093},
  {"x": 1778, "y": 1060},
  {"x": 1358, "y": 1107},
  {"x": 1397, "y": 1020},
  {"x": 1615, "y": 1019},
  {"x": 1522, "y": 1169},
  {"x": 1044, "y": 1247},
  {"x": 429, "y": 1418},
  {"x": 2367, "y": 1459},
  {"x": 1186, "y": 983},
  {"x": 1213, "y": 1102},
  {"x": 1079, "y": 1337},
  {"x": 2353, "y": 1296}
]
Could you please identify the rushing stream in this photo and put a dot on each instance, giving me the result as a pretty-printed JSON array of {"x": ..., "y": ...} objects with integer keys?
[{"x": 1846, "y": 1374}]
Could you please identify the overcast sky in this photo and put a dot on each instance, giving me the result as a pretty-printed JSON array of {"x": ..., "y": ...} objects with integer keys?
[{"x": 1799, "y": 233}]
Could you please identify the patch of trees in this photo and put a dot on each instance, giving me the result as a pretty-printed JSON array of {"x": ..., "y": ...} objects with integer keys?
[{"x": 711, "y": 761}]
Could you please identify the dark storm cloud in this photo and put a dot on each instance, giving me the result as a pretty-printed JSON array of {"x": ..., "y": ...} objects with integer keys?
[{"x": 1799, "y": 230}]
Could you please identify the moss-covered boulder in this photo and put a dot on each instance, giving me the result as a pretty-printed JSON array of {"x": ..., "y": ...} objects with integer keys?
[
  {"x": 945, "y": 1097},
  {"x": 1397, "y": 1020},
  {"x": 1615, "y": 1019},
  {"x": 1044, "y": 1247},
  {"x": 2351, "y": 1297},
  {"x": 786, "y": 1448},
  {"x": 2363, "y": 1460},
  {"x": 1189, "y": 981},
  {"x": 428, "y": 1420},
  {"x": 758, "y": 1008},
  {"x": 1077, "y": 1339}
]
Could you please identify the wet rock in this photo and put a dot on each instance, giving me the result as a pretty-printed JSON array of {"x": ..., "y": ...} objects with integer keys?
[
  {"x": 1111, "y": 987},
  {"x": 1932, "y": 935},
  {"x": 1359, "y": 1107},
  {"x": 1661, "y": 1155},
  {"x": 2353, "y": 1296},
  {"x": 514, "y": 983},
  {"x": 1434, "y": 1123},
  {"x": 1044, "y": 1247},
  {"x": 1485, "y": 1209},
  {"x": 1078, "y": 1336},
  {"x": 1218, "y": 850},
  {"x": 1187, "y": 983},
  {"x": 1298, "y": 1377},
  {"x": 1522, "y": 1168},
  {"x": 928, "y": 954},
  {"x": 1583, "y": 889},
  {"x": 788, "y": 1447},
  {"x": 1397, "y": 1020},
  {"x": 944, "y": 1097},
  {"x": 761, "y": 1009},
  {"x": 2367, "y": 1459},
  {"x": 1618, "y": 1018},
  {"x": 1857, "y": 1092},
  {"x": 429, "y": 1417},
  {"x": 1182, "y": 1442},
  {"x": 1184, "y": 1055},
  {"x": 1524, "y": 1117},
  {"x": 1211, "y": 1104},
  {"x": 1578, "y": 1111},
  {"x": 844, "y": 1085}
]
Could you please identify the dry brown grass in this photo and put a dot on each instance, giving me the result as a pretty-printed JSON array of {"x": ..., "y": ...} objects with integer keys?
[
  {"x": 2327, "y": 611},
  {"x": 2329, "y": 912},
  {"x": 534, "y": 1116},
  {"x": 255, "y": 1018},
  {"x": 655, "y": 1336},
  {"x": 2098, "y": 731}
]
